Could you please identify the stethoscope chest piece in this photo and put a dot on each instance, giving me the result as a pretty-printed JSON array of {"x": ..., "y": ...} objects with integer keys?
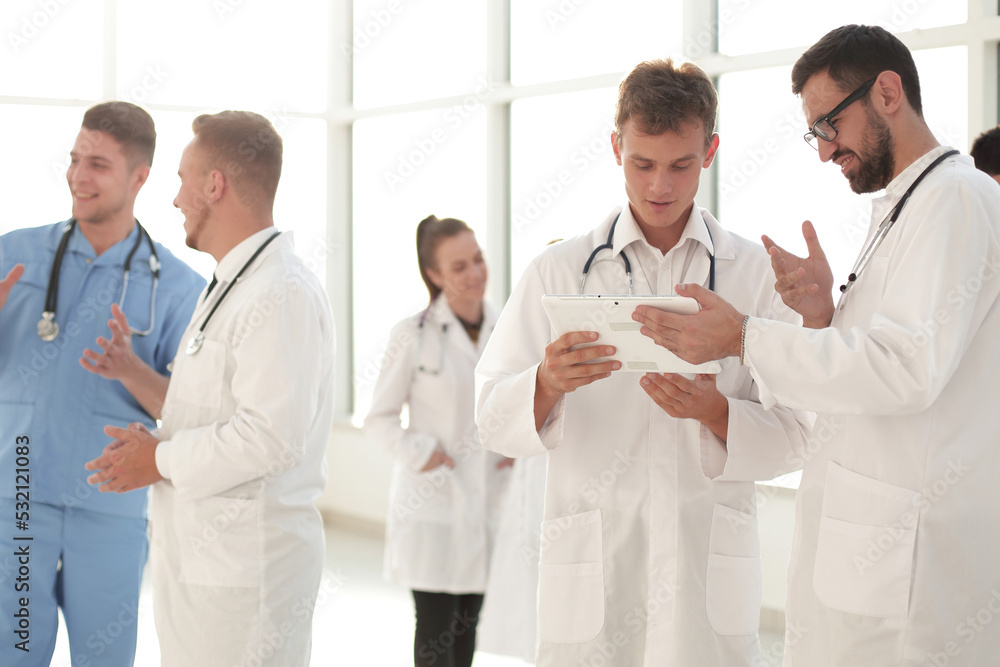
[
  {"x": 48, "y": 330},
  {"x": 195, "y": 344}
]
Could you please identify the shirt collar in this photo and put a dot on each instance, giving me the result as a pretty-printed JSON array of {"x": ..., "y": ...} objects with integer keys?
[
  {"x": 115, "y": 255},
  {"x": 627, "y": 231},
  {"x": 234, "y": 260}
]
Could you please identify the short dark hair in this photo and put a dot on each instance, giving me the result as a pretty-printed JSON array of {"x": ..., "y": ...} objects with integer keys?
[
  {"x": 246, "y": 147},
  {"x": 658, "y": 96},
  {"x": 130, "y": 125},
  {"x": 986, "y": 151},
  {"x": 430, "y": 232},
  {"x": 853, "y": 54}
]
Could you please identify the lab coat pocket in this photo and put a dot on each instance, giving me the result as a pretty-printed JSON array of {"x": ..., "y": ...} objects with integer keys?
[
  {"x": 866, "y": 545},
  {"x": 222, "y": 543},
  {"x": 570, "y": 602},
  {"x": 733, "y": 586},
  {"x": 571, "y": 579}
]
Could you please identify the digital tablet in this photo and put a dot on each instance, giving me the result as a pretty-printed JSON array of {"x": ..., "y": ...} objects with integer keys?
[{"x": 611, "y": 317}]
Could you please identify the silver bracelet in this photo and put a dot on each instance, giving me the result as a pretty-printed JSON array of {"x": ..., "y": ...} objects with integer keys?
[{"x": 743, "y": 339}]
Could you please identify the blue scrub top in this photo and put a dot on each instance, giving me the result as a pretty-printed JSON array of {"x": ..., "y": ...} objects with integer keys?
[{"x": 44, "y": 392}]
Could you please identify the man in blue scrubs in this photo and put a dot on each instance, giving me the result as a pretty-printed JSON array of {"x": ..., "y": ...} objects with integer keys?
[{"x": 62, "y": 544}]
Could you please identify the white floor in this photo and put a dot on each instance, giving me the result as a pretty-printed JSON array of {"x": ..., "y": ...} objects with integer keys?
[{"x": 355, "y": 605}]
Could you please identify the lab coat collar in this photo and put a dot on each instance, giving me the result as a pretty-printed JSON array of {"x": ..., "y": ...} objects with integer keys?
[
  {"x": 439, "y": 312},
  {"x": 881, "y": 205},
  {"x": 628, "y": 232},
  {"x": 234, "y": 260},
  {"x": 898, "y": 185}
]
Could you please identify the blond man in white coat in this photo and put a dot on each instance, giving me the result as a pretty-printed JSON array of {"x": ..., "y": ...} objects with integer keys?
[
  {"x": 644, "y": 561},
  {"x": 237, "y": 544},
  {"x": 896, "y": 552},
  {"x": 446, "y": 491}
]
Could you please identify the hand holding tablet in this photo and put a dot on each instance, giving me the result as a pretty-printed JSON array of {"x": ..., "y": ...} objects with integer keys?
[{"x": 611, "y": 317}]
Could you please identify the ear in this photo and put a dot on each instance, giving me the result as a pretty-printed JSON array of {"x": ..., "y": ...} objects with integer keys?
[
  {"x": 217, "y": 185},
  {"x": 713, "y": 146},
  {"x": 615, "y": 148},
  {"x": 436, "y": 278},
  {"x": 887, "y": 93},
  {"x": 139, "y": 176}
]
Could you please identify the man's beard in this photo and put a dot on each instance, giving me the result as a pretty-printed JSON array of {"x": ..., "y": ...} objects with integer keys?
[{"x": 876, "y": 163}]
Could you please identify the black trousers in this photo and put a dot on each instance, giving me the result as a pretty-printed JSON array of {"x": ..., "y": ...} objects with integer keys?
[{"x": 446, "y": 629}]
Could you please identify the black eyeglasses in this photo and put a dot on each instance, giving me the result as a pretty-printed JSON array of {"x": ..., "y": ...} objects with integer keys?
[{"x": 824, "y": 128}]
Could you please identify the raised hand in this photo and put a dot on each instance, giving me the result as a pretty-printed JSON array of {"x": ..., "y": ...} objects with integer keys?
[
  {"x": 118, "y": 360},
  {"x": 805, "y": 284}
]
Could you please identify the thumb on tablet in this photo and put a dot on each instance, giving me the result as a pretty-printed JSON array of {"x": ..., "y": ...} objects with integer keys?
[{"x": 704, "y": 297}]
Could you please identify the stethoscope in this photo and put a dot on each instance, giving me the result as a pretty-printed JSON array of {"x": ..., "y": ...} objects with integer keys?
[
  {"x": 420, "y": 346},
  {"x": 199, "y": 338},
  {"x": 47, "y": 327},
  {"x": 609, "y": 244},
  {"x": 886, "y": 225}
]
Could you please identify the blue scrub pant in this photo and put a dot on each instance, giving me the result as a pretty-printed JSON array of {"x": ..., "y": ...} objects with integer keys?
[{"x": 89, "y": 564}]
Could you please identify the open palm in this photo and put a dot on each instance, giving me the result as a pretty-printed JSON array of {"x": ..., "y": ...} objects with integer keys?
[{"x": 805, "y": 284}]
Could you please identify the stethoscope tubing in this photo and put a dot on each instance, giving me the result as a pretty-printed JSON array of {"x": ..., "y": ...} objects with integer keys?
[
  {"x": 609, "y": 244},
  {"x": 48, "y": 329}
]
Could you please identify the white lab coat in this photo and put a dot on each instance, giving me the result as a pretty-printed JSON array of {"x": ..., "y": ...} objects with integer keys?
[
  {"x": 509, "y": 619},
  {"x": 442, "y": 523},
  {"x": 896, "y": 556},
  {"x": 644, "y": 561},
  {"x": 237, "y": 544}
]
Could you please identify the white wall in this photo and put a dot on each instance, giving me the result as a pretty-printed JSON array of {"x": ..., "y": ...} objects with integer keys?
[{"x": 358, "y": 474}]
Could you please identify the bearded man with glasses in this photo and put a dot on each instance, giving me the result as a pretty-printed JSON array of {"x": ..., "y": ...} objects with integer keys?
[{"x": 895, "y": 556}]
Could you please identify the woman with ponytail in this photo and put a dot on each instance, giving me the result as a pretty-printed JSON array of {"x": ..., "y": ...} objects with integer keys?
[{"x": 446, "y": 489}]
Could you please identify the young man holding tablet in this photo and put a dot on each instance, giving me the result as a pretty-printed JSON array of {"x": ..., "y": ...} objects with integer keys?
[{"x": 644, "y": 560}]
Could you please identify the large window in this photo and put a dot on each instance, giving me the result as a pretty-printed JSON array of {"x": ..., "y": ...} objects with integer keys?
[
  {"x": 177, "y": 60},
  {"x": 495, "y": 111}
]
